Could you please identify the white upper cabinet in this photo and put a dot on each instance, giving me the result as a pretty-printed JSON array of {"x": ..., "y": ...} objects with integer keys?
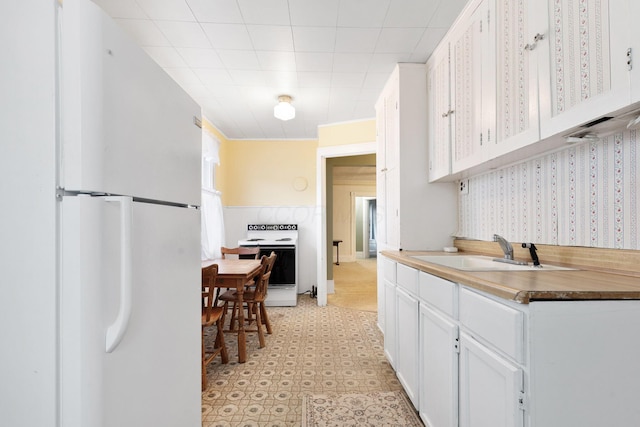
[
  {"x": 516, "y": 104},
  {"x": 471, "y": 85},
  {"x": 439, "y": 113},
  {"x": 560, "y": 64},
  {"x": 406, "y": 217},
  {"x": 634, "y": 48},
  {"x": 461, "y": 93},
  {"x": 387, "y": 119},
  {"x": 528, "y": 71},
  {"x": 583, "y": 61}
]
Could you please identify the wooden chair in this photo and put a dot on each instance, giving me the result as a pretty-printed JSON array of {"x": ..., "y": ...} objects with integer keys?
[
  {"x": 239, "y": 252},
  {"x": 260, "y": 305},
  {"x": 254, "y": 300},
  {"x": 211, "y": 315}
]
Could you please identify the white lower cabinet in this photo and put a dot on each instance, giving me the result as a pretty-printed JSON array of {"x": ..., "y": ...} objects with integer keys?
[
  {"x": 470, "y": 359},
  {"x": 386, "y": 272},
  {"x": 390, "y": 322},
  {"x": 439, "y": 348},
  {"x": 407, "y": 363},
  {"x": 490, "y": 387}
]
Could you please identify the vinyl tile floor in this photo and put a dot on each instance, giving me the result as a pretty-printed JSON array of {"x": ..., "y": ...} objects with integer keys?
[{"x": 312, "y": 350}]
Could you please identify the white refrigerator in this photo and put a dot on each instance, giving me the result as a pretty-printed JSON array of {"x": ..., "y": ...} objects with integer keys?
[{"x": 100, "y": 295}]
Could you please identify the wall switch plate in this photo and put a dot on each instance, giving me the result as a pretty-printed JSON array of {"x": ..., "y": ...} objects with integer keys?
[{"x": 464, "y": 186}]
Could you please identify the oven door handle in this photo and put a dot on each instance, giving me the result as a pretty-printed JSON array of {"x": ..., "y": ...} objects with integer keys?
[{"x": 277, "y": 247}]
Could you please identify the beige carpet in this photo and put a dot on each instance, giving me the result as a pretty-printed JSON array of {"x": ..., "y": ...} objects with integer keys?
[
  {"x": 362, "y": 409},
  {"x": 355, "y": 285}
]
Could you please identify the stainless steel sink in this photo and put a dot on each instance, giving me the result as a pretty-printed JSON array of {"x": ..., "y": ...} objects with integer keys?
[{"x": 481, "y": 263}]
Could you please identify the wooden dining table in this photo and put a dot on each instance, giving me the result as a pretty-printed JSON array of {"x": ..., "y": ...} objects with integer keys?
[{"x": 235, "y": 273}]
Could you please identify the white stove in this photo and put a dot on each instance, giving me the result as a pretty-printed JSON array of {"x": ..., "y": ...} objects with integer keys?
[
  {"x": 283, "y": 240},
  {"x": 270, "y": 234}
]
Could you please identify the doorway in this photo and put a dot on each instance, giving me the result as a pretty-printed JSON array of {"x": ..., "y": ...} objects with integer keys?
[
  {"x": 325, "y": 207},
  {"x": 354, "y": 224}
]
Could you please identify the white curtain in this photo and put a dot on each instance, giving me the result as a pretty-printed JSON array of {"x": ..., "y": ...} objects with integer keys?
[
  {"x": 212, "y": 221},
  {"x": 212, "y": 224}
]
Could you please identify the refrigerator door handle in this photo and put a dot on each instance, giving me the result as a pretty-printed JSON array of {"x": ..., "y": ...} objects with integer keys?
[{"x": 117, "y": 329}]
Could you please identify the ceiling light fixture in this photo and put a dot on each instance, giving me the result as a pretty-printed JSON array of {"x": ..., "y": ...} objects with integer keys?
[{"x": 284, "y": 110}]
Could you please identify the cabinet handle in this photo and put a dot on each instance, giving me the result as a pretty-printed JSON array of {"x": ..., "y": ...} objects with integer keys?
[
  {"x": 383, "y": 170},
  {"x": 445, "y": 115},
  {"x": 536, "y": 39}
]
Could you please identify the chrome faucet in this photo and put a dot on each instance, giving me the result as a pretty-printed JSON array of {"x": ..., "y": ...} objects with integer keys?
[
  {"x": 506, "y": 246},
  {"x": 508, "y": 251}
]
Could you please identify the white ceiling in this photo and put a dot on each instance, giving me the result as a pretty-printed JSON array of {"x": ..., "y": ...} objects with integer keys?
[{"x": 234, "y": 57}]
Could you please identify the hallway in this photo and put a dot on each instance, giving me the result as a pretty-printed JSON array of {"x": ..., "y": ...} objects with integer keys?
[{"x": 355, "y": 285}]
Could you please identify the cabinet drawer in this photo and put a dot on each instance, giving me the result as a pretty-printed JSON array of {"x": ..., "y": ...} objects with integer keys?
[
  {"x": 438, "y": 292},
  {"x": 407, "y": 278},
  {"x": 495, "y": 323},
  {"x": 389, "y": 270}
]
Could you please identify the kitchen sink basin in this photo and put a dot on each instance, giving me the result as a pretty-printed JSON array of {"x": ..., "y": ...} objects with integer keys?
[{"x": 481, "y": 263}]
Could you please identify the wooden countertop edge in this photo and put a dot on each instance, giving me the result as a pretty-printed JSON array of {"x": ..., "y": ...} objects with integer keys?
[{"x": 560, "y": 290}]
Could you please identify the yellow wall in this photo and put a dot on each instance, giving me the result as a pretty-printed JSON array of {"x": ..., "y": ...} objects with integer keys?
[
  {"x": 344, "y": 219},
  {"x": 209, "y": 127},
  {"x": 267, "y": 173},
  {"x": 347, "y": 133},
  {"x": 278, "y": 172}
]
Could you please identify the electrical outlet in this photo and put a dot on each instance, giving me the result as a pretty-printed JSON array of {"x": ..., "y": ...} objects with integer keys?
[{"x": 464, "y": 186}]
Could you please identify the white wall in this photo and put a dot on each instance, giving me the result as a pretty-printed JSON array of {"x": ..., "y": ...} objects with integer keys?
[{"x": 237, "y": 218}]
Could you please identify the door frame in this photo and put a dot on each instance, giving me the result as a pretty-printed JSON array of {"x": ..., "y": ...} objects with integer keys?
[{"x": 323, "y": 154}]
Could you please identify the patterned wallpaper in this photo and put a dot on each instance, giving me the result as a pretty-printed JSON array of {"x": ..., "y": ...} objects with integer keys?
[{"x": 584, "y": 195}]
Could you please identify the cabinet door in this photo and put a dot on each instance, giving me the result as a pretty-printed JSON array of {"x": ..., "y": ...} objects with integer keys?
[
  {"x": 381, "y": 200},
  {"x": 468, "y": 45},
  {"x": 388, "y": 176},
  {"x": 390, "y": 331},
  {"x": 380, "y": 293},
  {"x": 490, "y": 387},
  {"x": 583, "y": 70},
  {"x": 392, "y": 125},
  {"x": 407, "y": 343},
  {"x": 386, "y": 272},
  {"x": 439, "y": 110},
  {"x": 634, "y": 51},
  {"x": 392, "y": 171},
  {"x": 392, "y": 208},
  {"x": 439, "y": 348},
  {"x": 516, "y": 105}
]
